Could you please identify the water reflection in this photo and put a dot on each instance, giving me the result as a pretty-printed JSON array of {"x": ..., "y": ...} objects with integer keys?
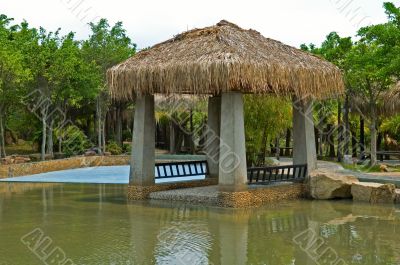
[{"x": 94, "y": 224}]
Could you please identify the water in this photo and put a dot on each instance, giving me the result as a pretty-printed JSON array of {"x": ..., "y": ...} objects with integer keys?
[{"x": 94, "y": 224}]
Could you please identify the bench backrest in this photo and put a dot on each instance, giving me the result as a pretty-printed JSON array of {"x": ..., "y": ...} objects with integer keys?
[
  {"x": 181, "y": 169},
  {"x": 269, "y": 175}
]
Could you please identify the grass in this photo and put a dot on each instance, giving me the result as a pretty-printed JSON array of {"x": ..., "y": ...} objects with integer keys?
[{"x": 20, "y": 149}]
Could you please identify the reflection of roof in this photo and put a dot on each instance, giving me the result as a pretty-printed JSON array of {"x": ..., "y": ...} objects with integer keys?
[{"x": 222, "y": 58}]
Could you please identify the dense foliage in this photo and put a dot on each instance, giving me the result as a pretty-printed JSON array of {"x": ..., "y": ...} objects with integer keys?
[
  {"x": 53, "y": 92},
  {"x": 58, "y": 82}
]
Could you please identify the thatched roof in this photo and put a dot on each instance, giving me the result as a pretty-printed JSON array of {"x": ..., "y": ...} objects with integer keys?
[
  {"x": 224, "y": 58},
  {"x": 388, "y": 103}
]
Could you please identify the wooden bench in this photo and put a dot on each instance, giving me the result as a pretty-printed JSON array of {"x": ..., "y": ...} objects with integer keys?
[
  {"x": 382, "y": 155},
  {"x": 269, "y": 175},
  {"x": 181, "y": 169}
]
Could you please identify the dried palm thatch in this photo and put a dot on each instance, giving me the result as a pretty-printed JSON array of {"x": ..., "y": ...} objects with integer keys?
[
  {"x": 224, "y": 58},
  {"x": 388, "y": 103}
]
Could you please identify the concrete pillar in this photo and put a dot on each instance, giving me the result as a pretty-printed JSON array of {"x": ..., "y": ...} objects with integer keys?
[
  {"x": 304, "y": 150},
  {"x": 143, "y": 147},
  {"x": 212, "y": 135},
  {"x": 232, "y": 165}
]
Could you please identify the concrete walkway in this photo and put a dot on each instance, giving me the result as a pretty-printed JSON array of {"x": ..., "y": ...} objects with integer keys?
[
  {"x": 120, "y": 174},
  {"x": 386, "y": 177}
]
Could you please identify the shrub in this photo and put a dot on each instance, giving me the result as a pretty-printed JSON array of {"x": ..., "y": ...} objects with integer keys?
[
  {"x": 74, "y": 142},
  {"x": 127, "y": 148},
  {"x": 114, "y": 148}
]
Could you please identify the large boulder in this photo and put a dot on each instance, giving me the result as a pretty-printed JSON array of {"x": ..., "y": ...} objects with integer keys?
[
  {"x": 397, "y": 200},
  {"x": 330, "y": 185},
  {"x": 373, "y": 192}
]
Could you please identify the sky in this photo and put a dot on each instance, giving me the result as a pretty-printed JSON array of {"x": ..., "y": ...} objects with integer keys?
[{"x": 152, "y": 21}]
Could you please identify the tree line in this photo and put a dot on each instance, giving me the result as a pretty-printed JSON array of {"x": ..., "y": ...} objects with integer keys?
[
  {"x": 53, "y": 92},
  {"x": 53, "y": 88},
  {"x": 371, "y": 66}
]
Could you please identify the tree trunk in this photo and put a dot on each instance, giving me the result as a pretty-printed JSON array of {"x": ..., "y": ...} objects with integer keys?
[
  {"x": 331, "y": 141},
  {"x": 104, "y": 136},
  {"x": 44, "y": 136},
  {"x": 179, "y": 139},
  {"x": 172, "y": 137},
  {"x": 277, "y": 147},
  {"x": 99, "y": 127},
  {"x": 60, "y": 145},
  {"x": 2, "y": 140},
  {"x": 340, "y": 133},
  {"x": 354, "y": 143},
  {"x": 192, "y": 136},
  {"x": 118, "y": 129},
  {"x": 373, "y": 134},
  {"x": 50, "y": 142},
  {"x": 346, "y": 127},
  {"x": 288, "y": 141},
  {"x": 362, "y": 135}
]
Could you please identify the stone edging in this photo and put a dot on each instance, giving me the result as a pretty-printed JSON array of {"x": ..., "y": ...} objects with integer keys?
[{"x": 17, "y": 170}]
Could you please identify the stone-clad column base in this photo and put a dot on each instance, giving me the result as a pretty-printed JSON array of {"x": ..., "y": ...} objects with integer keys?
[
  {"x": 239, "y": 199},
  {"x": 256, "y": 197},
  {"x": 137, "y": 193}
]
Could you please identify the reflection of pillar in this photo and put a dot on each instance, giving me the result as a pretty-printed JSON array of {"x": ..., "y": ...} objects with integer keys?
[
  {"x": 44, "y": 201},
  {"x": 304, "y": 150},
  {"x": 232, "y": 165},
  {"x": 233, "y": 238},
  {"x": 143, "y": 145},
  {"x": 144, "y": 229},
  {"x": 212, "y": 134},
  {"x": 1, "y": 208}
]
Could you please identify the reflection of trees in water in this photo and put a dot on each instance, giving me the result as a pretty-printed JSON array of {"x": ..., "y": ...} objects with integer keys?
[
  {"x": 271, "y": 234},
  {"x": 95, "y": 222},
  {"x": 9, "y": 189},
  {"x": 359, "y": 233},
  {"x": 367, "y": 240}
]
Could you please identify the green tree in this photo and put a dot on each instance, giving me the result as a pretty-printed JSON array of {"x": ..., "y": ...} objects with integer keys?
[
  {"x": 373, "y": 66},
  {"x": 13, "y": 75},
  {"x": 106, "y": 47}
]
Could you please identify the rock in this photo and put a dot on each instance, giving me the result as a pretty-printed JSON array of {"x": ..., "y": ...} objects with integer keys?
[
  {"x": 107, "y": 154},
  {"x": 397, "y": 200},
  {"x": 348, "y": 159},
  {"x": 384, "y": 168},
  {"x": 90, "y": 153},
  {"x": 373, "y": 192},
  {"x": 272, "y": 162},
  {"x": 329, "y": 185}
]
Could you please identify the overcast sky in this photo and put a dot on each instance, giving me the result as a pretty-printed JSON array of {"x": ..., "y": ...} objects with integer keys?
[{"x": 151, "y": 21}]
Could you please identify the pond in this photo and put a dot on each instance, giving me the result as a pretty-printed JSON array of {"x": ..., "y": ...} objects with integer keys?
[{"x": 94, "y": 224}]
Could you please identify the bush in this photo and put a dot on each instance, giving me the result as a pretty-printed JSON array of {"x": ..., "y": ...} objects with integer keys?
[
  {"x": 75, "y": 141},
  {"x": 127, "y": 148},
  {"x": 114, "y": 148}
]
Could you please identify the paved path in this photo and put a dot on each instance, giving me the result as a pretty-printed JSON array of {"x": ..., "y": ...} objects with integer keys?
[
  {"x": 387, "y": 177},
  {"x": 120, "y": 174}
]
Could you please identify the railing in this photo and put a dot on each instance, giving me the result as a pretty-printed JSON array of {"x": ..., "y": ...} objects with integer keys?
[
  {"x": 181, "y": 169},
  {"x": 269, "y": 175},
  {"x": 387, "y": 154}
]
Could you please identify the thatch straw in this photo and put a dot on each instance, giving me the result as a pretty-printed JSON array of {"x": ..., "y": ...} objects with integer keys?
[
  {"x": 224, "y": 58},
  {"x": 388, "y": 103}
]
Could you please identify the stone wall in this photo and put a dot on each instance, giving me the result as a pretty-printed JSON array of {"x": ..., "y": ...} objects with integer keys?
[
  {"x": 143, "y": 192},
  {"x": 257, "y": 196},
  {"x": 16, "y": 170}
]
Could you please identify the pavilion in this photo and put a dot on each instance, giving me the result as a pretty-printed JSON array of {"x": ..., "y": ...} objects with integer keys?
[{"x": 225, "y": 62}]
